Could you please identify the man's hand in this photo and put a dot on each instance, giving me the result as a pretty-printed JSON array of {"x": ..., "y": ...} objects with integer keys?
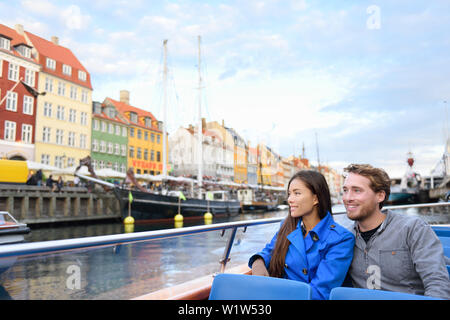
[{"x": 259, "y": 268}]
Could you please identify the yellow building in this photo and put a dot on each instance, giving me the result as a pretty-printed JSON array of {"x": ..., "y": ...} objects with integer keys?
[
  {"x": 63, "y": 117},
  {"x": 145, "y": 145}
]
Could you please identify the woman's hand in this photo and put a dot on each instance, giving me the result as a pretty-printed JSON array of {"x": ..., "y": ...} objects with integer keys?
[{"x": 259, "y": 268}]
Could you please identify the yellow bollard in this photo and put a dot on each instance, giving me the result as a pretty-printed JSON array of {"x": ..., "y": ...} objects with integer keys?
[{"x": 178, "y": 218}]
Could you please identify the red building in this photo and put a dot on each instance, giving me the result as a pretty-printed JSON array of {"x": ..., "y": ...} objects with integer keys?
[{"x": 18, "y": 95}]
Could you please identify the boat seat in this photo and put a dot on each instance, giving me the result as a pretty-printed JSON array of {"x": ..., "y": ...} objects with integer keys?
[
  {"x": 447, "y": 251},
  {"x": 445, "y": 241},
  {"x": 228, "y": 286},
  {"x": 342, "y": 293},
  {"x": 441, "y": 231}
]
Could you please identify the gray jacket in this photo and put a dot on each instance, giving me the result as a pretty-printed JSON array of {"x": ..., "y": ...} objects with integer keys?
[{"x": 403, "y": 255}]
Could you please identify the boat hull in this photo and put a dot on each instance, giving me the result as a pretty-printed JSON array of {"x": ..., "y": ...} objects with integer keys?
[
  {"x": 402, "y": 198},
  {"x": 148, "y": 206}
]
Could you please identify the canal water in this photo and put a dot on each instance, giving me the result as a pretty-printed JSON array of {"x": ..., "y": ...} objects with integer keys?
[{"x": 131, "y": 270}]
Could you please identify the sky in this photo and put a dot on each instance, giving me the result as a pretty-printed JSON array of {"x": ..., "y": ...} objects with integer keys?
[{"x": 357, "y": 81}]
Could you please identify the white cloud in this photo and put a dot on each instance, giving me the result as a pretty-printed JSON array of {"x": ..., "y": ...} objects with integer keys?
[{"x": 74, "y": 19}]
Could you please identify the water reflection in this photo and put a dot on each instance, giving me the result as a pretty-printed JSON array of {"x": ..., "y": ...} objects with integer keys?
[{"x": 131, "y": 270}]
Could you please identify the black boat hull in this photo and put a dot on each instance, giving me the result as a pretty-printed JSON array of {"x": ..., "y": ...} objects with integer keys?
[{"x": 148, "y": 206}]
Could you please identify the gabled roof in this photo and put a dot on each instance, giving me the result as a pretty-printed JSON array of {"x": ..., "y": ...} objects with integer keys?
[
  {"x": 123, "y": 107},
  {"x": 61, "y": 55},
  {"x": 16, "y": 39}
]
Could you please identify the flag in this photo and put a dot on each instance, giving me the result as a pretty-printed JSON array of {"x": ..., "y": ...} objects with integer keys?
[
  {"x": 130, "y": 197},
  {"x": 181, "y": 195}
]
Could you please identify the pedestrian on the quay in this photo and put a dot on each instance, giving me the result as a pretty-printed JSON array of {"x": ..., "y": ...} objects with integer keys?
[
  {"x": 49, "y": 183},
  {"x": 393, "y": 251},
  {"x": 59, "y": 185},
  {"x": 310, "y": 246}
]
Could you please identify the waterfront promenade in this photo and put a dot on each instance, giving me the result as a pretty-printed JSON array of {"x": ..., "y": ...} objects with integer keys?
[{"x": 38, "y": 204}]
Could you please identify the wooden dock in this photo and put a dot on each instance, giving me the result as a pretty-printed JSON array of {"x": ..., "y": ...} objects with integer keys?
[{"x": 38, "y": 204}]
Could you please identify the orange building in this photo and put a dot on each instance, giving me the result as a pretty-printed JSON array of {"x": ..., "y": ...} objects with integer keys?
[{"x": 145, "y": 144}]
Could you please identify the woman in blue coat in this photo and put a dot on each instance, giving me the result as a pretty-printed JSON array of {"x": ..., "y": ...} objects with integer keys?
[{"x": 310, "y": 246}]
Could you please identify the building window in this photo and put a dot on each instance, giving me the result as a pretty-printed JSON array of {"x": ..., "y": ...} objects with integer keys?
[
  {"x": 152, "y": 137},
  {"x": 45, "y": 159},
  {"x": 94, "y": 145},
  {"x": 71, "y": 140},
  {"x": 13, "y": 72},
  {"x": 132, "y": 132},
  {"x": 158, "y": 139},
  {"x": 84, "y": 96},
  {"x": 102, "y": 146},
  {"x": 72, "y": 115},
  {"x": 145, "y": 154},
  {"x": 133, "y": 117},
  {"x": 117, "y": 130},
  {"x": 59, "y": 160},
  {"x": 46, "y": 134},
  {"x": 10, "y": 131},
  {"x": 124, "y": 150},
  {"x": 70, "y": 162},
  {"x": 117, "y": 149},
  {"x": 146, "y": 135},
  {"x": 24, "y": 51},
  {"x": 61, "y": 88},
  {"x": 67, "y": 70},
  {"x": 60, "y": 113},
  {"x": 28, "y": 105},
  {"x": 103, "y": 125},
  {"x": 59, "y": 136},
  {"x": 131, "y": 155},
  {"x": 96, "y": 125},
  {"x": 83, "y": 118},
  {"x": 48, "y": 84},
  {"x": 11, "y": 101},
  {"x": 152, "y": 155},
  {"x": 83, "y": 141},
  {"x": 110, "y": 128},
  {"x": 139, "y": 153},
  {"x": 158, "y": 156},
  {"x": 47, "y": 109},
  {"x": 110, "y": 148},
  {"x": 5, "y": 43},
  {"x": 73, "y": 93},
  {"x": 82, "y": 75},
  {"x": 29, "y": 77},
  {"x": 27, "y": 133},
  {"x": 50, "y": 63},
  {"x": 124, "y": 131},
  {"x": 139, "y": 134}
]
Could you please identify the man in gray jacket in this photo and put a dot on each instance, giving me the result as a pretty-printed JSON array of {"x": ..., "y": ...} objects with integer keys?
[{"x": 393, "y": 251}]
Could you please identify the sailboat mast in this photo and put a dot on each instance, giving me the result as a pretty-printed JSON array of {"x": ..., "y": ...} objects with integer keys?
[
  {"x": 164, "y": 157},
  {"x": 200, "y": 133}
]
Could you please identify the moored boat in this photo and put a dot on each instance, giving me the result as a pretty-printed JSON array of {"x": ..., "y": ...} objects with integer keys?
[{"x": 11, "y": 231}]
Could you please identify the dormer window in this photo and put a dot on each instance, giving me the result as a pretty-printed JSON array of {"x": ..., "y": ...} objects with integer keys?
[
  {"x": 111, "y": 112},
  {"x": 51, "y": 64},
  {"x": 148, "y": 122},
  {"x": 67, "y": 70},
  {"x": 24, "y": 50},
  {"x": 133, "y": 117},
  {"x": 5, "y": 43},
  {"x": 82, "y": 75}
]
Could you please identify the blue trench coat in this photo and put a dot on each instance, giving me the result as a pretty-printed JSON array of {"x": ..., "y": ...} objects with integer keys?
[{"x": 321, "y": 259}]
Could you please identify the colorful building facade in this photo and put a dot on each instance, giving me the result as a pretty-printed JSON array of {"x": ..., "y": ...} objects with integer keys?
[
  {"x": 145, "y": 144},
  {"x": 18, "y": 96},
  {"x": 109, "y": 138},
  {"x": 64, "y": 113}
]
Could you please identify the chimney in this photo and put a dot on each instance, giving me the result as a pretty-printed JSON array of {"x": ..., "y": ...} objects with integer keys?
[
  {"x": 125, "y": 96},
  {"x": 19, "y": 29},
  {"x": 55, "y": 40}
]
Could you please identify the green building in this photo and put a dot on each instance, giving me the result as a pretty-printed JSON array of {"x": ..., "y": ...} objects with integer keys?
[{"x": 109, "y": 138}]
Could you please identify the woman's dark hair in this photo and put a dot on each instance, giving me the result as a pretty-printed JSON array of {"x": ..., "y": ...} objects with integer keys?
[{"x": 317, "y": 184}]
